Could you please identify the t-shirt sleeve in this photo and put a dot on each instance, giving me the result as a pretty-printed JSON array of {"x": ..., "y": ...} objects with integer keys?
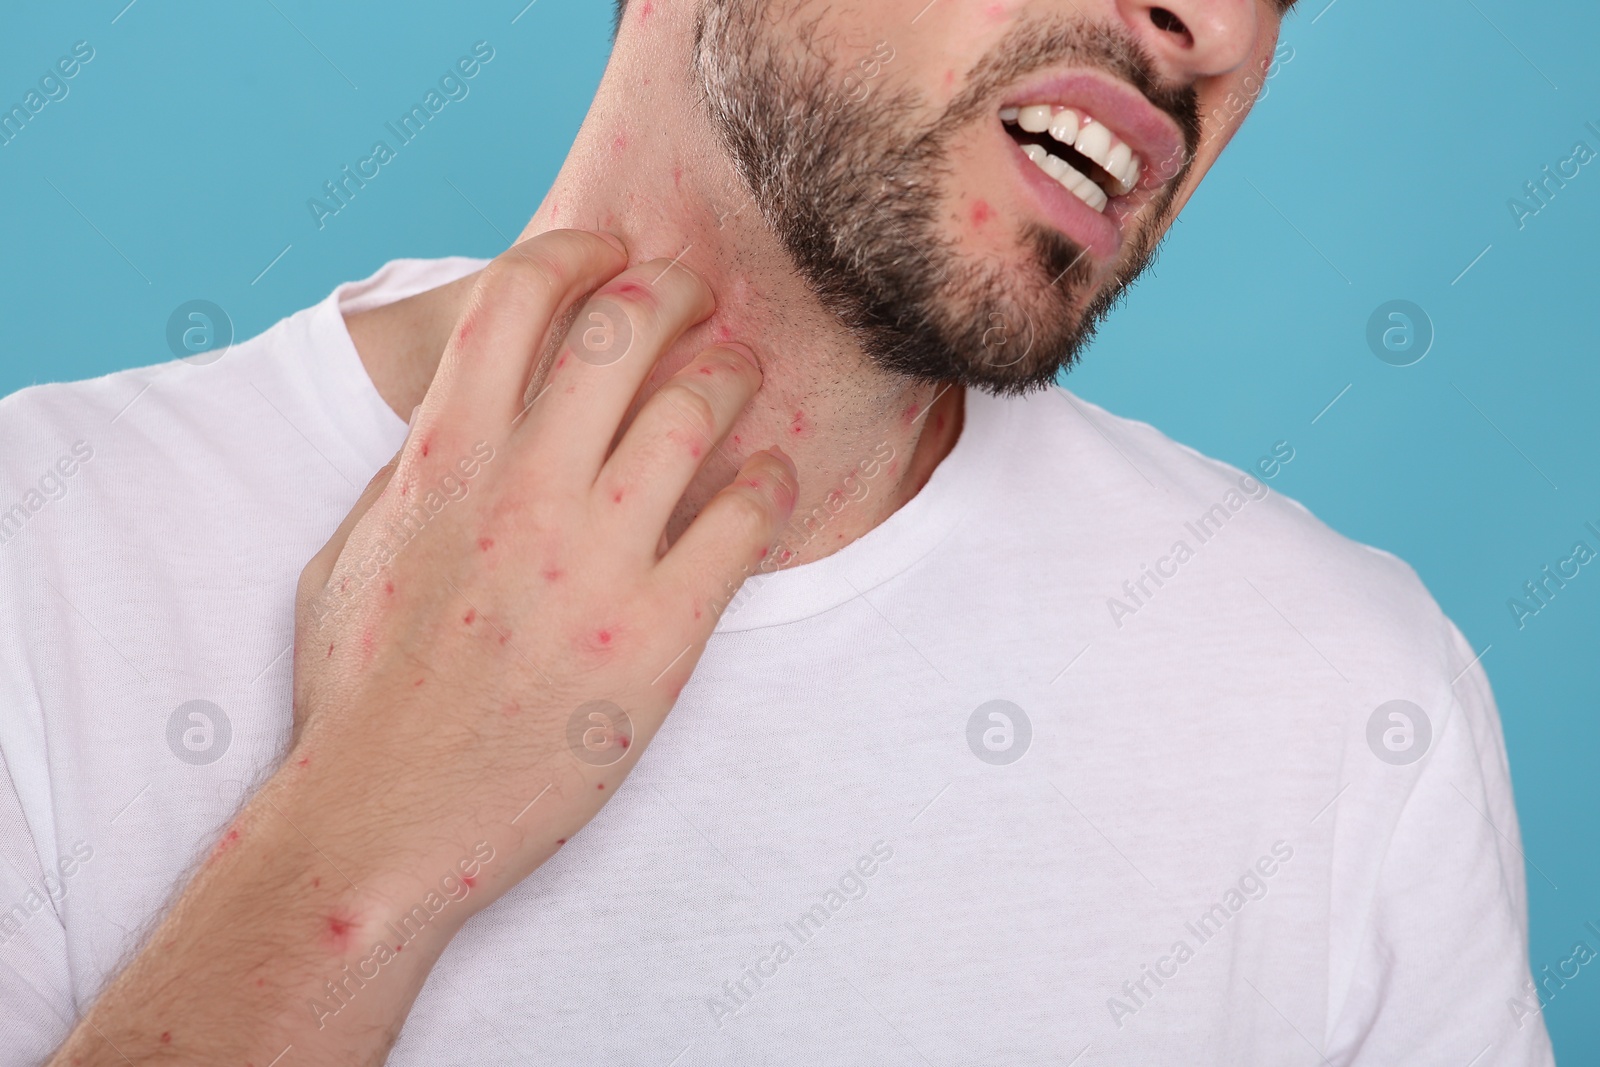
[
  {"x": 1443, "y": 964},
  {"x": 35, "y": 991}
]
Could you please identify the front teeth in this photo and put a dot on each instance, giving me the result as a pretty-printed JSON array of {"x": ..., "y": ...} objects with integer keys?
[
  {"x": 1075, "y": 181},
  {"x": 1091, "y": 138}
]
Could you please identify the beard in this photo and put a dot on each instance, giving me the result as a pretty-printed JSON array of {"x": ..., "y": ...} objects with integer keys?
[{"x": 850, "y": 184}]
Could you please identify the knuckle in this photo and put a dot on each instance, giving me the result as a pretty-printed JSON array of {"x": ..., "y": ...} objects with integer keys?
[
  {"x": 748, "y": 514},
  {"x": 521, "y": 271},
  {"x": 692, "y": 406}
]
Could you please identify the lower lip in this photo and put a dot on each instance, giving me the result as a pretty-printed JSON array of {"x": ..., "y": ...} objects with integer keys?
[{"x": 1063, "y": 210}]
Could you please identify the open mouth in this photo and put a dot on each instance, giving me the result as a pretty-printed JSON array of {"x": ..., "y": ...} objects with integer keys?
[{"x": 1081, "y": 153}]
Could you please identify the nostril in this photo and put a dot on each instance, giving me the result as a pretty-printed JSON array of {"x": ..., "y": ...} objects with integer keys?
[{"x": 1167, "y": 22}]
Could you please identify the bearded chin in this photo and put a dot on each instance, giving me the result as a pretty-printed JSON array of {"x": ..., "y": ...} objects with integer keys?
[{"x": 851, "y": 188}]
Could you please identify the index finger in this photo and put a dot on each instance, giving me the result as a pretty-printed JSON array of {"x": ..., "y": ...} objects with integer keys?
[{"x": 508, "y": 320}]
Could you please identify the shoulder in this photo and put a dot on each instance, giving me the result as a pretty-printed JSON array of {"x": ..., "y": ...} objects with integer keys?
[{"x": 1153, "y": 505}]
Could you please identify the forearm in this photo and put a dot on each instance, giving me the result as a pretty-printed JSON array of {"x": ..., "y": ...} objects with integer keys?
[{"x": 284, "y": 939}]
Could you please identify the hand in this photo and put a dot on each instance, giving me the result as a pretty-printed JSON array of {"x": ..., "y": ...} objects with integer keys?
[{"x": 499, "y": 622}]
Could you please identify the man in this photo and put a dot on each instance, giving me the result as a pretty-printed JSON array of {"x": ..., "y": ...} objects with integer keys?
[{"x": 1002, "y": 730}]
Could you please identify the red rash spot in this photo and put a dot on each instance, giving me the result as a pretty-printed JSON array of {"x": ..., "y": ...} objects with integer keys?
[
  {"x": 620, "y": 143},
  {"x": 602, "y": 785},
  {"x": 949, "y": 78},
  {"x": 465, "y": 330},
  {"x": 418, "y": 683},
  {"x": 981, "y": 212},
  {"x": 504, "y": 638},
  {"x": 696, "y": 451},
  {"x": 339, "y": 933},
  {"x": 511, "y": 710},
  {"x": 623, "y": 740},
  {"x": 707, "y": 371},
  {"x": 603, "y": 636},
  {"x": 697, "y": 613},
  {"x": 469, "y": 616},
  {"x": 551, "y": 574},
  {"x": 388, "y": 587},
  {"x": 736, "y": 439},
  {"x": 561, "y": 841},
  {"x": 562, "y": 362},
  {"x": 763, "y": 554},
  {"x": 366, "y": 644},
  {"x": 616, "y": 498},
  {"x": 305, "y": 761},
  {"x": 261, "y": 981},
  {"x": 228, "y": 841},
  {"x": 316, "y": 883},
  {"x": 649, "y": 9},
  {"x": 630, "y": 289},
  {"x": 677, "y": 175},
  {"x": 469, "y": 881},
  {"x": 752, "y": 483},
  {"x": 485, "y": 544},
  {"x": 425, "y": 446},
  {"x": 330, "y": 650},
  {"x": 166, "y": 1037},
  {"x": 798, "y": 426}
]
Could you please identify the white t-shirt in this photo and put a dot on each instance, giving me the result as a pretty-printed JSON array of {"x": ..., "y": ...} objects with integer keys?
[{"x": 1198, "y": 829}]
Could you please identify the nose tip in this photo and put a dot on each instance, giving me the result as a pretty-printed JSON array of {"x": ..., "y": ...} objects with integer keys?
[{"x": 1196, "y": 38}]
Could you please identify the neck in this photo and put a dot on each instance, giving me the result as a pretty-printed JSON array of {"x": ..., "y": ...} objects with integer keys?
[{"x": 646, "y": 166}]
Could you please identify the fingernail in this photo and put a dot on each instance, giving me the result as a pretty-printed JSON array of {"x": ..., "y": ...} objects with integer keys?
[{"x": 613, "y": 240}]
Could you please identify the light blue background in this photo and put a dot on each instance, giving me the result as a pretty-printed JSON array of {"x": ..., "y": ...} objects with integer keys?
[{"x": 1378, "y": 167}]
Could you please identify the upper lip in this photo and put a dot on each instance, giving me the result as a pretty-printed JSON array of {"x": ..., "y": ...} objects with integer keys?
[{"x": 1145, "y": 128}]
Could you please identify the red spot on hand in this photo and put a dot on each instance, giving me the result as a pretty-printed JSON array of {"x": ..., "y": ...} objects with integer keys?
[
  {"x": 620, "y": 143},
  {"x": 603, "y": 636},
  {"x": 622, "y": 740},
  {"x": 469, "y": 880},
  {"x": 425, "y": 446},
  {"x": 464, "y": 331},
  {"x": 469, "y": 616},
  {"x": 629, "y": 289},
  {"x": 708, "y": 371},
  {"x": 485, "y": 544},
  {"x": 229, "y": 839},
  {"x": 602, "y": 785},
  {"x": 616, "y": 498},
  {"x": 552, "y": 574},
  {"x": 166, "y": 1037},
  {"x": 511, "y": 710},
  {"x": 418, "y": 683},
  {"x": 981, "y": 212},
  {"x": 304, "y": 761},
  {"x": 562, "y": 362},
  {"x": 388, "y": 587}
]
